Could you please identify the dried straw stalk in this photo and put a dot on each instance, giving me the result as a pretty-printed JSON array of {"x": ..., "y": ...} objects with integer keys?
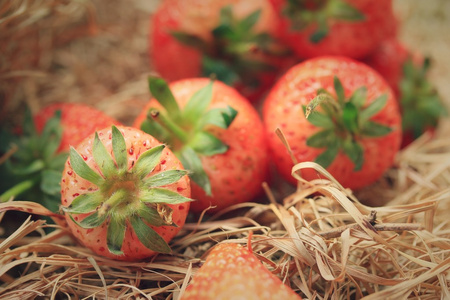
[{"x": 320, "y": 240}]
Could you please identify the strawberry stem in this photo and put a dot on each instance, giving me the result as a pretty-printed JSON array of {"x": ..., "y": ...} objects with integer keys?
[
  {"x": 168, "y": 124},
  {"x": 117, "y": 199}
]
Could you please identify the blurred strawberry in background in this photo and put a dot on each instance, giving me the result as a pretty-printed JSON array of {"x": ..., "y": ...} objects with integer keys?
[
  {"x": 231, "y": 39},
  {"x": 406, "y": 71},
  {"x": 351, "y": 28}
]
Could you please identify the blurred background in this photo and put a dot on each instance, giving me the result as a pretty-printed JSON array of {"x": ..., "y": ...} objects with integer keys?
[{"x": 96, "y": 51}]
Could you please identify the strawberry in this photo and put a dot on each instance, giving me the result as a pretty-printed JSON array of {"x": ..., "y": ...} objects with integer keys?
[
  {"x": 233, "y": 272},
  {"x": 350, "y": 28},
  {"x": 356, "y": 132},
  {"x": 407, "y": 74},
  {"x": 124, "y": 194},
  {"x": 34, "y": 170},
  {"x": 78, "y": 120},
  {"x": 215, "y": 132},
  {"x": 229, "y": 38}
]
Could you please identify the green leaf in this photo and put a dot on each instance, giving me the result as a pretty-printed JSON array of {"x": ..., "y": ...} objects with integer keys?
[
  {"x": 223, "y": 31},
  {"x": 92, "y": 221},
  {"x": 34, "y": 167},
  {"x": 50, "y": 182},
  {"x": 164, "y": 178},
  {"x": 190, "y": 40},
  {"x": 149, "y": 237},
  {"x": 248, "y": 22},
  {"x": 328, "y": 156},
  {"x": 51, "y": 202},
  {"x": 29, "y": 128},
  {"x": 350, "y": 117},
  {"x": 226, "y": 15},
  {"x": 192, "y": 162},
  {"x": 221, "y": 117},
  {"x": 341, "y": 10},
  {"x": 355, "y": 152},
  {"x": 374, "y": 129},
  {"x": 103, "y": 158},
  {"x": 228, "y": 115},
  {"x": 408, "y": 120},
  {"x": 150, "y": 215},
  {"x": 119, "y": 147},
  {"x": 160, "y": 195},
  {"x": 205, "y": 143},
  {"x": 322, "y": 139},
  {"x": 222, "y": 71},
  {"x": 267, "y": 44},
  {"x": 339, "y": 90},
  {"x": 319, "y": 119},
  {"x": 324, "y": 91},
  {"x": 85, "y": 203},
  {"x": 148, "y": 161},
  {"x": 155, "y": 129},
  {"x": 17, "y": 189},
  {"x": 115, "y": 235},
  {"x": 318, "y": 35},
  {"x": 246, "y": 65},
  {"x": 373, "y": 108},
  {"x": 82, "y": 169},
  {"x": 162, "y": 93},
  {"x": 198, "y": 103},
  {"x": 425, "y": 66},
  {"x": 359, "y": 96},
  {"x": 51, "y": 135},
  {"x": 58, "y": 161},
  {"x": 326, "y": 102}
]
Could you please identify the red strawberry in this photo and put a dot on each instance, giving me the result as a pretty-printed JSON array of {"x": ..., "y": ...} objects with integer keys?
[
  {"x": 231, "y": 39},
  {"x": 124, "y": 194},
  {"x": 356, "y": 133},
  {"x": 407, "y": 72},
  {"x": 233, "y": 272},
  {"x": 34, "y": 170},
  {"x": 216, "y": 133},
  {"x": 335, "y": 27},
  {"x": 78, "y": 120}
]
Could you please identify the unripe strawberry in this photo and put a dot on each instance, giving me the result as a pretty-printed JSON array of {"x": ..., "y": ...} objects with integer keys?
[
  {"x": 233, "y": 272},
  {"x": 124, "y": 194}
]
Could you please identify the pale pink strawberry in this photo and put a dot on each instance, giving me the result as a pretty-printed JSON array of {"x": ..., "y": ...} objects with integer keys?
[{"x": 125, "y": 195}]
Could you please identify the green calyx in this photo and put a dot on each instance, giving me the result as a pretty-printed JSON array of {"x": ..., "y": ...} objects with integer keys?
[
  {"x": 229, "y": 54},
  {"x": 126, "y": 197},
  {"x": 344, "y": 122},
  {"x": 420, "y": 102},
  {"x": 319, "y": 13},
  {"x": 33, "y": 166},
  {"x": 187, "y": 130}
]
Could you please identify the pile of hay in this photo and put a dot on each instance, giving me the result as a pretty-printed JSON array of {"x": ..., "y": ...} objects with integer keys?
[{"x": 390, "y": 240}]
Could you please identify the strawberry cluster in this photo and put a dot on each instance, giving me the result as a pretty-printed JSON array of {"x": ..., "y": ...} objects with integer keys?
[{"x": 330, "y": 75}]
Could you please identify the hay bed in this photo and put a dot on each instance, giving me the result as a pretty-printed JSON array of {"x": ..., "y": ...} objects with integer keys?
[{"x": 319, "y": 238}]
